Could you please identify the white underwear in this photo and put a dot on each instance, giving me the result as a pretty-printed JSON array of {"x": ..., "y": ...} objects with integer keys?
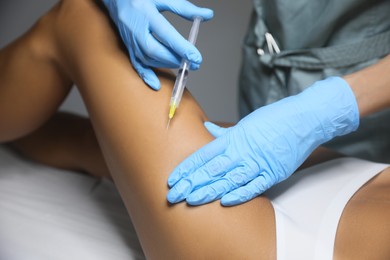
[{"x": 309, "y": 204}]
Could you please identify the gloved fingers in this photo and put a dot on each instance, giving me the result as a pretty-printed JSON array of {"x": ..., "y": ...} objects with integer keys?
[
  {"x": 206, "y": 194},
  {"x": 148, "y": 50},
  {"x": 154, "y": 54},
  {"x": 215, "y": 130},
  {"x": 196, "y": 160},
  {"x": 185, "y": 9},
  {"x": 194, "y": 66},
  {"x": 147, "y": 74},
  {"x": 170, "y": 37},
  {"x": 245, "y": 193},
  {"x": 206, "y": 174},
  {"x": 215, "y": 190},
  {"x": 175, "y": 194}
]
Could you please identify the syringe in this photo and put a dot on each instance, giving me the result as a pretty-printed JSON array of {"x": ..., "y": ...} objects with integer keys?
[{"x": 182, "y": 75}]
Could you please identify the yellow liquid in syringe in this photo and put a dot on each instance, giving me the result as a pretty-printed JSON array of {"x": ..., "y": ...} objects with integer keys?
[{"x": 172, "y": 111}]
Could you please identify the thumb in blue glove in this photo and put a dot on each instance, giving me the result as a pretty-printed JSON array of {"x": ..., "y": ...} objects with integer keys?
[
  {"x": 265, "y": 147},
  {"x": 215, "y": 130},
  {"x": 152, "y": 42}
]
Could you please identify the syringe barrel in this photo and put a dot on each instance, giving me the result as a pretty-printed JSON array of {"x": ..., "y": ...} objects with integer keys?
[
  {"x": 182, "y": 74},
  {"x": 180, "y": 83}
]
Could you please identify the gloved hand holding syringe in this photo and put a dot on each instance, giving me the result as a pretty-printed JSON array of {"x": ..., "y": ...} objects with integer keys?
[{"x": 182, "y": 75}]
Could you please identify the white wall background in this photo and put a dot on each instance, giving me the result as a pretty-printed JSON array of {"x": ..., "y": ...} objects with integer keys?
[{"x": 214, "y": 85}]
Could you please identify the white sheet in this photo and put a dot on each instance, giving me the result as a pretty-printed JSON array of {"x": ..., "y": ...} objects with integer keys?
[{"x": 46, "y": 213}]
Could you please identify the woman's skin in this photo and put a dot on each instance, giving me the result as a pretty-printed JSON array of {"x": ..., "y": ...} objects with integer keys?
[
  {"x": 65, "y": 141},
  {"x": 75, "y": 43}
]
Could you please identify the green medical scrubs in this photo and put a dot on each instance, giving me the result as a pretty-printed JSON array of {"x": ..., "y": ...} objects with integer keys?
[{"x": 317, "y": 39}]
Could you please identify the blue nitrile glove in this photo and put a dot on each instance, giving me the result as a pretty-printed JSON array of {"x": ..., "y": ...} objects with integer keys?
[
  {"x": 266, "y": 146},
  {"x": 151, "y": 40}
]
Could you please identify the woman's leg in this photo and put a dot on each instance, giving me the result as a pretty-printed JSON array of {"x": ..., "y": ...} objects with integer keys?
[
  {"x": 65, "y": 141},
  {"x": 32, "y": 86},
  {"x": 130, "y": 122}
]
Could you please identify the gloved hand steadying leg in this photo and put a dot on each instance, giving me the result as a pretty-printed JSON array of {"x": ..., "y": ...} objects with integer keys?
[
  {"x": 266, "y": 146},
  {"x": 151, "y": 40}
]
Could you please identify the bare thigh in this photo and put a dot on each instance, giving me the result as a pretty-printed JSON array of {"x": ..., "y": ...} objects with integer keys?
[{"x": 130, "y": 123}]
